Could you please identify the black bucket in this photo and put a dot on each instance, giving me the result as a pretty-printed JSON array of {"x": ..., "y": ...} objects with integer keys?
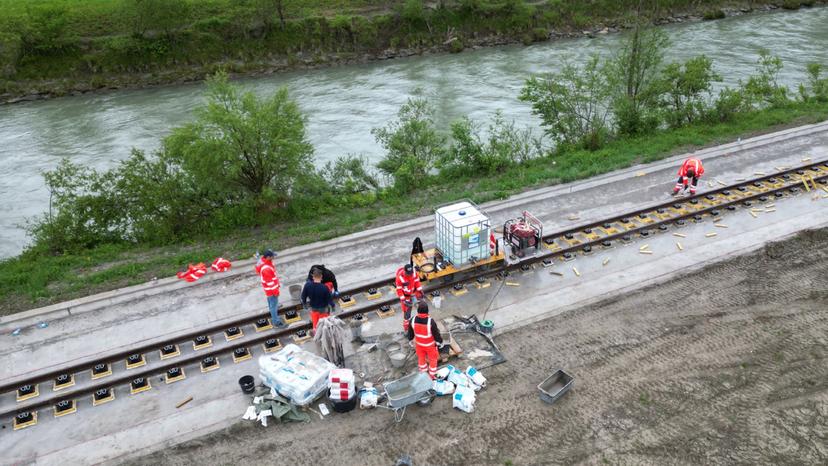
[{"x": 247, "y": 384}]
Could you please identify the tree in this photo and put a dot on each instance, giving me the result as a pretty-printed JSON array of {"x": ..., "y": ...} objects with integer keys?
[
  {"x": 412, "y": 144},
  {"x": 573, "y": 104},
  {"x": 243, "y": 146},
  {"x": 633, "y": 73},
  {"x": 155, "y": 15},
  {"x": 686, "y": 88},
  {"x": 763, "y": 88}
]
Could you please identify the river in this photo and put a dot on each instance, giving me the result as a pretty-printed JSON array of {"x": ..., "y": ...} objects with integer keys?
[{"x": 343, "y": 104}]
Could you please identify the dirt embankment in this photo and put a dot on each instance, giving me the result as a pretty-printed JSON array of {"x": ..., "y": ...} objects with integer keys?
[{"x": 726, "y": 365}]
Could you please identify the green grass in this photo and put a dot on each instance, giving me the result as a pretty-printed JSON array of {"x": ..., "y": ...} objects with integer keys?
[{"x": 33, "y": 280}]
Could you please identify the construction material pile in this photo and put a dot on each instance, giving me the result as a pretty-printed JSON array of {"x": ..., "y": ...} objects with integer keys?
[
  {"x": 296, "y": 374},
  {"x": 462, "y": 385}
]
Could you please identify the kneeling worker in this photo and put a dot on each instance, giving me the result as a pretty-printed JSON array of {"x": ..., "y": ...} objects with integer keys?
[
  {"x": 318, "y": 296},
  {"x": 688, "y": 176},
  {"x": 423, "y": 330}
]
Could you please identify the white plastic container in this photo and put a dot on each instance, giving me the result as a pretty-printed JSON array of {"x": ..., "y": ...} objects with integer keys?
[
  {"x": 296, "y": 374},
  {"x": 462, "y": 232}
]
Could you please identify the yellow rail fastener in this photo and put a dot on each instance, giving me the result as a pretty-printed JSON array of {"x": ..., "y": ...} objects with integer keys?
[
  {"x": 576, "y": 271},
  {"x": 640, "y": 173},
  {"x": 806, "y": 159},
  {"x": 770, "y": 210},
  {"x": 759, "y": 173},
  {"x": 512, "y": 284},
  {"x": 644, "y": 247},
  {"x": 606, "y": 261},
  {"x": 719, "y": 225},
  {"x": 754, "y": 214},
  {"x": 645, "y": 252},
  {"x": 805, "y": 182},
  {"x": 710, "y": 235},
  {"x": 680, "y": 235},
  {"x": 721, "y": 183},
  {"x": 679, "y": 246},
  {"x": 770, "y": 206}
]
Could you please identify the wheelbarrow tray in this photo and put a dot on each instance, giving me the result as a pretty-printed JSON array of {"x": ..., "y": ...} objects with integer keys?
[
  {"x": 408, "y": 390},
  {"x": 555, "y": 386}
]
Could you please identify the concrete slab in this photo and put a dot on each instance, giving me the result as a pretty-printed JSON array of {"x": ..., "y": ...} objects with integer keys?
[
  {"x": 137, "y": 424},
  {"x": 82, "y": 330}
]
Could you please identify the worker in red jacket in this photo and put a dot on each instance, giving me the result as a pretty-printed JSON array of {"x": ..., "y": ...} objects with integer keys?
[
  {"x": 408, "y": 287},
  {"x": 270, "y": 283},
  {"x": 689, "y": 173},
  {"x": 426, "y": 336}
]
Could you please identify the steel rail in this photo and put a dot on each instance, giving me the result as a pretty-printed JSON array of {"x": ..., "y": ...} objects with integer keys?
[{"x": 736, "y": 198}]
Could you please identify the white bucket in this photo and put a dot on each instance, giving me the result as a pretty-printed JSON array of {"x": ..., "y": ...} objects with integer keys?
[{"x": 397, "y": 359}]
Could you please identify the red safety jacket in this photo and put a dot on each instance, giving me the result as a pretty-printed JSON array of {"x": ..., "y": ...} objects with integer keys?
[
  {"x": 221, "y": 265},
  {"x": 193, "y": 273},
  {"x": 423, "y": 330},
  {"x": 695, "y": 164},
  {"x": 270, "y": 282},
  {"x": 408, "y": 284},
  {"x": 492, "y": 243}
]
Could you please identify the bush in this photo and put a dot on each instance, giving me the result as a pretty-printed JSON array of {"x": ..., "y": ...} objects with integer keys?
[
  {"x": 816, "y": 89},
  {"x": 791, "y": 4},
  {"x": 10, "y": 47},
  {"x": 713, "y": 14},
  {"x": 727, "y": 105},
  {"x": 351, "y": 174},
  {"x": 685, "y": 90},
  {"x": 412, "y": 143},
  {"x": 763, "y": 88},
  {"x": 573, "y": 105}
]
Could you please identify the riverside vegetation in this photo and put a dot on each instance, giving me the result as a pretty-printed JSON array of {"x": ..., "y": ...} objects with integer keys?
[
  {"x": 54, "y": 47},
  {"x": 242, "y": 176}
]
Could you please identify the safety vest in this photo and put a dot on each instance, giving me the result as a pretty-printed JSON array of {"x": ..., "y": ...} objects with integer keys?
[
  {"x": 492, "y": 243},
  {"x": 221, "y": 265},
  {"x": 695, "y": 164},
  {"x": 422, "y": 332},
  {"x": 407, "y": 285},
  {"x": 270, "y": 282}
]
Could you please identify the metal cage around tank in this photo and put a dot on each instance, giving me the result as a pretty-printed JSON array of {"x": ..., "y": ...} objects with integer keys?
[{"x": 462, "y": 233}]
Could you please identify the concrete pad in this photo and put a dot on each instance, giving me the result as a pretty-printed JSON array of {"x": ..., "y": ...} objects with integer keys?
[{"x": 138, "y": 424}]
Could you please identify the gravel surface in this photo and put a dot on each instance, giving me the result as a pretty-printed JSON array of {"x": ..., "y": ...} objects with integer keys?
[{"x": 726, "y": 365}]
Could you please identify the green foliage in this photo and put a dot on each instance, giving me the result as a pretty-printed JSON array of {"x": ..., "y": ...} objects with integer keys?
[
  {"x": 351, "y": 174},
  {"x": 504, "y": 146},
  {"x": 155, "y": 15},
  {"x": 713, "y": 14},
  {"x": 633, "y": 74},
  {"x": 45, "y": 32},
  {"x": 791, "y": 4},
  {"x": 10, "y": 51},
  {"x": 686, "y": 88},
  {"x": 572, "y": 104},
  {"x": 241, "y": 146},
  {"x": 763, "y": 87},
  {"x": 412, "y": 144},
  {"x": 816, "y": 89}
]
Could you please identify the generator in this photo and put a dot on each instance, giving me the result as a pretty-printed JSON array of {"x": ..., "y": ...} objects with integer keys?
[{"x": 523, "y": 233}]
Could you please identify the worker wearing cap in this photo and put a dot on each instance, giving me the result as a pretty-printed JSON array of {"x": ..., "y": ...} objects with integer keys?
[
  {"x": 426, "y": 337},
  {"x": 408, "y": 288},
  {"x": 270, "y": 283},
  {"x": 688, "y": 176}
]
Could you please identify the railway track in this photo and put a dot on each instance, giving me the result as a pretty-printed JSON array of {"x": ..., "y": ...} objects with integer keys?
[{"x": 204, "y": 347}]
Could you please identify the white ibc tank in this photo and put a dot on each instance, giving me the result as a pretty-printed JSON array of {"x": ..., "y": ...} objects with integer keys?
[{"x": 462, "y": 232}]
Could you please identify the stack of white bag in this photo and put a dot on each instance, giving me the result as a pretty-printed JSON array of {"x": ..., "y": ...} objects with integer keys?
[
  {"x": 298, "y": 375},
  {"x": 341, "y": 384},
  {"x": 462, "y": 384}
]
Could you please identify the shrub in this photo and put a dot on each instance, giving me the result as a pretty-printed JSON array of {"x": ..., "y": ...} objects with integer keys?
[
  {"x": 685, "y": 89},
  {"x": 713, "y": 14},
  {"x": 412, "y": 144}
]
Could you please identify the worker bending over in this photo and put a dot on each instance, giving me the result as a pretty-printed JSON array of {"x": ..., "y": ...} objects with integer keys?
[
  {"x": 318, "y": 297},
  {"x": 423, "y": 330},
  {"x": 408, "y": 287},
  {"x": 328, "y": 278},
  {"x": 689, "y": 173}
]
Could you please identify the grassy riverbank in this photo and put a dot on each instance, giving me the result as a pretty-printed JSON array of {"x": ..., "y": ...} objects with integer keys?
[
  {"x": 34, "y": 280},
  {"x": 58, "y": 47}
]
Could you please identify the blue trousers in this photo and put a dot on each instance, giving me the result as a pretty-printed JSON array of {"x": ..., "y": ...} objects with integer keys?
[{"x": 273, "y": 305}]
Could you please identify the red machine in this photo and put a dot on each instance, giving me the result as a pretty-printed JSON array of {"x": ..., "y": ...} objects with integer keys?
[{"x": 523, "y": 233}]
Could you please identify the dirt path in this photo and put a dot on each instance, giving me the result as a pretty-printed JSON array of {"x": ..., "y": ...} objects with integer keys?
[{"x": 727, "y": 365}]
